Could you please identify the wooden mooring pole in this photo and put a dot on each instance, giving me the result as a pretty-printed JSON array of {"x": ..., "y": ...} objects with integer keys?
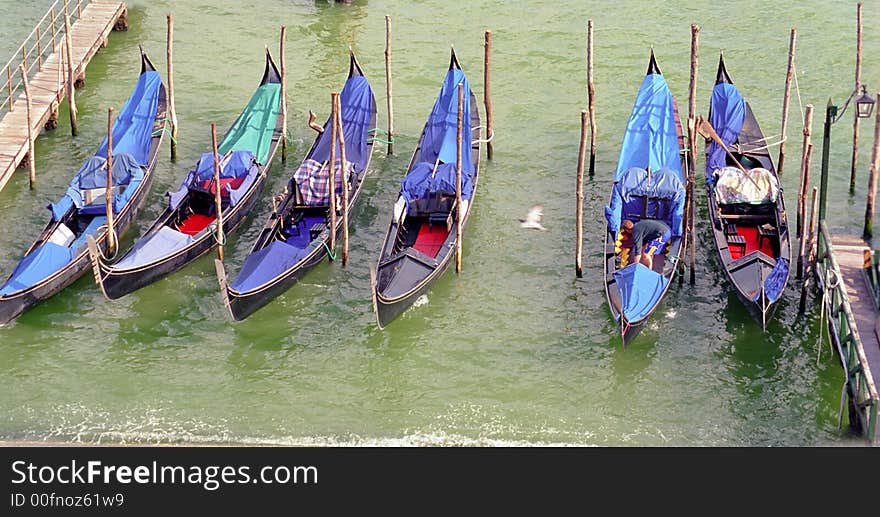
[
  {"x": 218, "y": 197},
  {"x": 341, "y": 139},
  {"x": 487, "y": 95},
  {"x": 334, "y": 138},
  {"x": 591, "y": 98},
  {"x": 388, "y": 84},
  {"x": 868, "y": 233},
  {"x": 802, "y": 191},
  {"x": 579, "y": 198},
  {"x": 459, "y": 216},
  {"x": 802, "y": 209},
  {"x": 692, "y": 151},
  {"x": 71, "y": 77},
  {"x": 855, "y": 144},
  {"x": 786, "y": 100},
  {"x": 810, "y": 253},
  {"x": 171, "y": 106},
  {"x": 281, "y": 46},
  {"x": 32, "y": 169},
  {"x": 108, "y": 192}
]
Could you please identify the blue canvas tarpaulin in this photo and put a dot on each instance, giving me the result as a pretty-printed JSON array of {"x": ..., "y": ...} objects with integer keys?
[
  {"x": 419, "y": 184},
  {"x": 658, "y": 196},
  {"x": 158, "y": 245},
  {"x": 651, "y": 139},
  {"x": 640, "y": 290},
  {"x": 93, "y": 175},
  {"x": 133, "y": 127},
  {"x": 37, "y": 265},
  {"x": 774, "y": 284},
  {"x": 264, "y": 265},
  {"x": 727, "y": 113},
  {"x": 357, "y": 104}
]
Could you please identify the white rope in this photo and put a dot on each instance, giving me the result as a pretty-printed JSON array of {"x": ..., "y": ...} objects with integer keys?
[{"x": 798, "y": 90}]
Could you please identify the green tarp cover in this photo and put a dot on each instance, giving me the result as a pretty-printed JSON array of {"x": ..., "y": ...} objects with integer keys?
[{"x": 253, "y": 129}]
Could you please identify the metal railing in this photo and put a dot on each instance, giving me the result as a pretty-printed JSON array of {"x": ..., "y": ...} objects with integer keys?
[
  {"x": 46, "y": 38},
  {"x": 845, "y": 338},
  {"x": 872, "y": 274}
]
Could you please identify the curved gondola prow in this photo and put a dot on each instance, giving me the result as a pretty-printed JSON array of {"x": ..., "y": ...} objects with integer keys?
[
  {"x": 653, "y": 67},
  {"x": 146, "y": 64},
  {"x": 354, "y": 68},
  {"x": 453, "y": 60},
  {"x": 722, "y": 77},
  {"x": 270, "y": 73}
]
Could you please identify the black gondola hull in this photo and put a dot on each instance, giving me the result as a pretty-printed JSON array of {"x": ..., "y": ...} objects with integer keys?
[{"x": 13, "y": 306}]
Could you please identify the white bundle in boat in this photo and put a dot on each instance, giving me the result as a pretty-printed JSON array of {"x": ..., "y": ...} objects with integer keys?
[{"x": 755, "y": 186}]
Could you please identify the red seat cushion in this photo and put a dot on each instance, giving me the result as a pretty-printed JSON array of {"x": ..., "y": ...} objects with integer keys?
[
  {"x": 209, "y": 185},
  {"x": 195, "y": 223}
]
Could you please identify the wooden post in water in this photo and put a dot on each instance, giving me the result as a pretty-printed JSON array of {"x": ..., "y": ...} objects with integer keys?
[
  {"x": 341, "y": 140},
  {"x": 802, "y": 191},
  {"x": 802, "y": 209},
  {"x": 786, "y": 99},
  {"x": 579, "y": 197},
  {"x": 810, "y": 253},
  {"x": 283, "y": 94},
  {"x": 487, "y": 96},
  {"x": 108, "y": 192},
  {"x": 218, "y": 197},
  {"x": 855, "y": 145},
  {"x": 388, "y": 84},
  {"x": 692, "y": 150},
  {"x": 868, "y": 233},
  {"x": 32, "y": 170},
  {"x": 171, "y": 107},
  {"x": 334, "y": 138},
  {"x": 71, "y": 77},
  {"x": 591, "y": 97},
  {"x": 459, "y": 216}
]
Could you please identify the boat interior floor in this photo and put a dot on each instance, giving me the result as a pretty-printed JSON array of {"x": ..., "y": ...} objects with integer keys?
[
  {"x": 743, "y": 239},
  {"x": 424, "y": 234}
]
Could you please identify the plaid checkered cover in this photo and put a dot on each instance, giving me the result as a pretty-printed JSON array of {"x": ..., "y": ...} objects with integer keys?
[{"x": 313, "y": 180}]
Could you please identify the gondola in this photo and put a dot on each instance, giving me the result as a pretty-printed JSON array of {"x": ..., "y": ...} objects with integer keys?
[
  {"x": 746, "y": 208},
  {"x": 297, "y": 234},
  {"x": 186, "y": 229},
  {"x": 59, "y": 256},
  {"x": 421, "y": 237},
  {"x": 648, "y": 184}
]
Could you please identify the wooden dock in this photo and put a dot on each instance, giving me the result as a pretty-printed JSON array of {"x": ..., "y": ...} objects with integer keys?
[
  {"x": 843, "y": 269},
  {"x": 41, "y": 54}
]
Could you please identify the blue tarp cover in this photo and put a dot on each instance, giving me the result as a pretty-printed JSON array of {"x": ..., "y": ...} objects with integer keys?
[
  {"x": 39, "y": 264},
  {"x": 264, "y": 265},
  {"x": 46, "y": 259},
  {"x": 358, "y": 104},
  {"x": 651, "y": 140},
  {"x": 774, "y": 284},
  {"x": 418, "y": 183},
  {"x": 664, "y": 186},
  {"x": 92, "y": 175},
  {"x": 440, "y": 141},
  {"x": 727, "y": 113},
  {"x": 133, "y": 127},
  {"x": 239, "y": 164},
  {"x": 640, "y": 290},
  {"x": 156, "y": 246}
]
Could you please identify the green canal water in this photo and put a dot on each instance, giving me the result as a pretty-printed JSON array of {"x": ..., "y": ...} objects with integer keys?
[{"x": 514, "y": 350}]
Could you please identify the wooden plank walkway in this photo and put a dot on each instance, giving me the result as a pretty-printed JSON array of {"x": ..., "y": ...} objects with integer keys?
[
  {"x": 88, "y": 34},
  {"x": 849, "y": 251}
]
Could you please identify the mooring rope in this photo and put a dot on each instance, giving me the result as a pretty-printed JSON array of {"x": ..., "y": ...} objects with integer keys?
[
  {"x": 166, "y": 130},
  {"x": 377, "y": 139},
  {"x": 332, "y": 255},
  {"x": 798, "y": 90}
]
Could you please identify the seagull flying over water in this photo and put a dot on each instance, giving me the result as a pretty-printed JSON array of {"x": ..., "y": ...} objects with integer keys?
[{"x": 533, "y": 219}]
